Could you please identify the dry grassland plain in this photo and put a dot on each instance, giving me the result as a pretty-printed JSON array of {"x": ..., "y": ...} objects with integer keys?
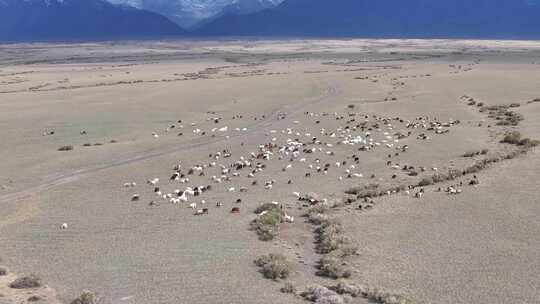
[{"x": 394, "y": 144}]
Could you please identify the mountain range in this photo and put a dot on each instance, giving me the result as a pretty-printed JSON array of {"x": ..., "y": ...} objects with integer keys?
[
  {"x": 30, "y": 20},
  {"x": 387, "y": 18},
  {"x": 189, "y": 13},
  {"x": 98, "y": 19}
]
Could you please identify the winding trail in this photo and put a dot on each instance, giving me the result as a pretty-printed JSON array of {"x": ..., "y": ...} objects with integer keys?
[{"x": 260, "y": 126}]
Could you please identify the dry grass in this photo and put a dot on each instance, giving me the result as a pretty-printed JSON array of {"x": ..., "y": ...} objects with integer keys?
[
  {"x": 31, "y": 281},
  {"x": 274, "y": 266}
]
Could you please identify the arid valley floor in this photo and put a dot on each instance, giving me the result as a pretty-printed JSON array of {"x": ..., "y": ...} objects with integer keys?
[{"x": 400, "y": 169}]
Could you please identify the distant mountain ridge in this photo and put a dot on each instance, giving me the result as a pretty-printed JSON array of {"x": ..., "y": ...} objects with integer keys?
[
  {"x": 34, "y": 20},
  {"x": 189, "y": 13},
  {"x": 386, "y": 18},
  {"x": 79, "y": 19}
]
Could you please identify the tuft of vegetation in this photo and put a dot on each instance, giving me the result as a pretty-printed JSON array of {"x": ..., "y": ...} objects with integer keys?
[
  {"x": 3, "y": 271},
  {"x": 375, "y": 295},
  {"x": 86, "y": 297},
  {"x": 266, "y": 207},
  {"x": 332, "y": 266},
  {"x": 267, "y": 224},
  {"x": 514, "y": 138},
  {"x": 65, "y": 148},
  {"x": 351, "y": 106},
  {"x": 426, "y": 181},
  {"x": 336, "y": 248},
  {"x": 274, "y": 266},
  {"x": 330, "y": 236},
  {"x": 31, "y": 281},
  {"x": 322, "y": 295},
  {"x": 371, "y": 190},
  {"x": 33, "y": 299},
  {"x": 316, "y": 214},
  {"x": 288, "y": 288},
  {"x": 475, "y": 153},
  {"x": 503, "y": 115}
]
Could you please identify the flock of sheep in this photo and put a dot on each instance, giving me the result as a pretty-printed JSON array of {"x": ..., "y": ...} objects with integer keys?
[{"x": 300, "y": 150}]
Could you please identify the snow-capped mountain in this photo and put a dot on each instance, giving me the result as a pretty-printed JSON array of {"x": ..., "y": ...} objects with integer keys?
[
  {"x": 188, "y": 13},
  {"x": 386, "y": 18},
  {"x": 79, "y": 19}
]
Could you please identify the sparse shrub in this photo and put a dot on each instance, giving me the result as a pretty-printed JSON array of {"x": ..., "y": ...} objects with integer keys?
[
  {"x": 267, "y": 225},
  {"x": 351, "y": 106},
  {"x": 318, "y": 209},
  {"x": 330, "y": 236},
  {"x": 113, "y": 141},
  {"x": 65, "y": 148},
  {"x": 288, "y": 288},
  {"x": 349, "y": 199},
  {"x": 528, "y": 143},
  {"x": 371, "y": 190},
  {"x": 31, "y": 281},
  {"x": 470, "y": 154},
  {"x": 333, "y": 267},
  {"x": 346, "y": 288},
  {"x": 274, "y": 266},
  {"x": 86, "y": 297},
  {"x": 87, "y": 145},
  {"x": 33, "y": 299},
  {"x": 513, "y": 138},
  {"x": 3, "y": 271},
  {"x": 426, "y": 181},
  {"x": 322, "y": 295},
  {"x": 317, "y": 218},
  {"x": 266, "y": 207},
  {"x": 316, "y": 214},
  {"x": 475, "y": 153},
  {"x": 515, "y": 105}
]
